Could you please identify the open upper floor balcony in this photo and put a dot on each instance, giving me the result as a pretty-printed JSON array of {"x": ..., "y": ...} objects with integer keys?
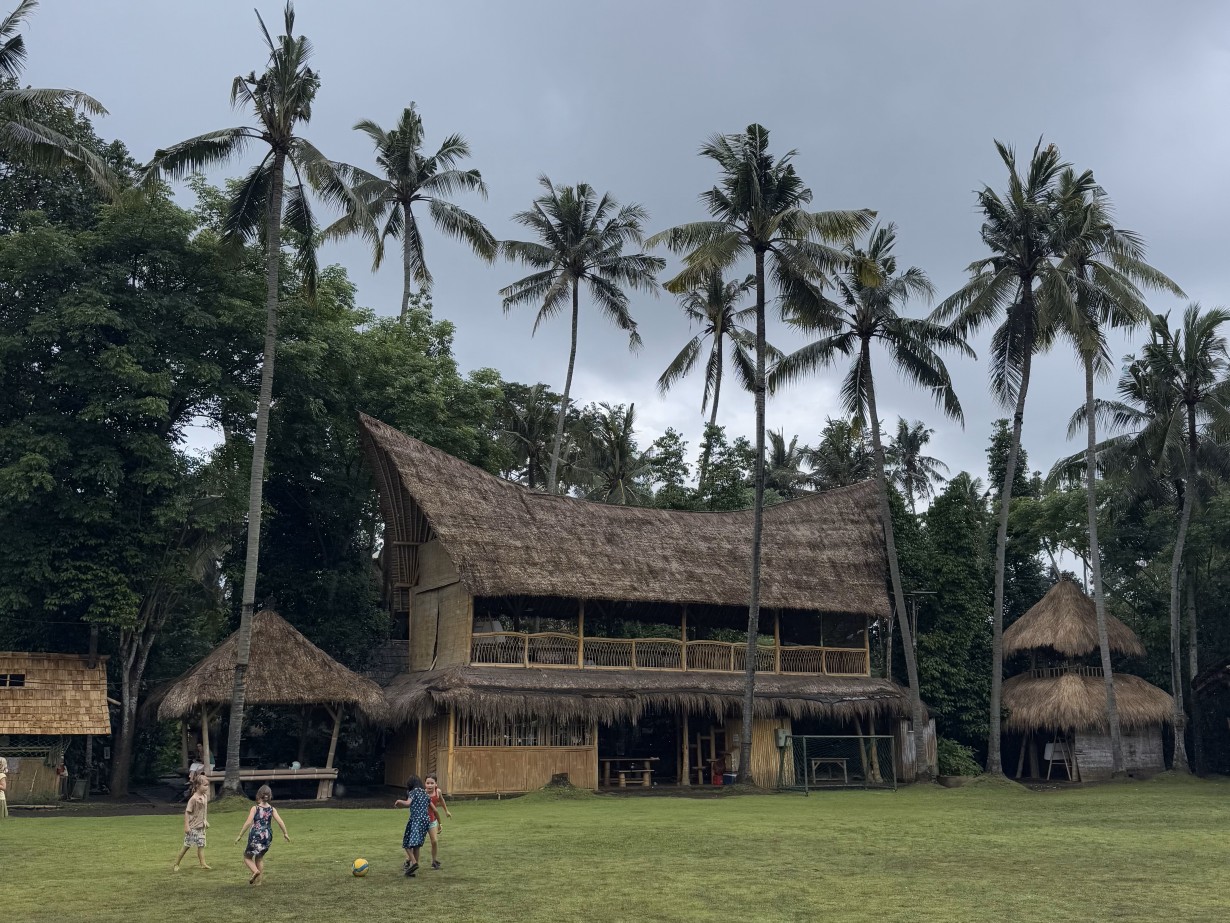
[{"x": 578, "y": 652}]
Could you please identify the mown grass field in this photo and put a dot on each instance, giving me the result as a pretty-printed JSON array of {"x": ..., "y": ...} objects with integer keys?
[{"x": 1148, "y": 852}]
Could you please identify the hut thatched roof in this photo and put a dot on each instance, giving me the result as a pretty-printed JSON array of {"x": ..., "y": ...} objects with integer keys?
[
  {"x": 1076, "y": 702},
  {"x": 59, "y": 694},
  {"x": 614, "y": 695},
  {"x": 1065, "y": 620},
  {"x": 284, "y": 668},
  {"x": 824, "y": 551}
]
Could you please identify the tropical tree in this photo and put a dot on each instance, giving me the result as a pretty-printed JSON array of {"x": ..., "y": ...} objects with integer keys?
[
  {"x": 618, "y": 471},
  {"x": 909, "y": 470},
  {"x": 281, "y": 99},
  {"x": 1103, "y": 265},
  {"x": 757, "y": 209},
  {"x": 784, "y": 472},
  {"x": 527, "y": 422},
  {"x": 24, "y": 133},
  {"x": 581, "y": 239},
  {"x": 841, "y": 457},
  {"x": 867, "y": 313},
  {"x": 382, "y": 205},
  {"x": 1022, "y": 287},
  {"x": 713, "y": 305}
]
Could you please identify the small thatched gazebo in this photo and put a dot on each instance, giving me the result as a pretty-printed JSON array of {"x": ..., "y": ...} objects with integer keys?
[
  {"x": 1062, "y": 697},
  {"x": 284, "y": 669}
]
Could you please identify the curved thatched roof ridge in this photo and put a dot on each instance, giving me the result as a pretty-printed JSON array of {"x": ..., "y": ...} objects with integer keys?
[
  {"x": 1065, "y": 620},
  {"x": 284, "y": 668},
  {"x": 824, "y": 551},
  {"x": 1074, "y": 702},
  {"x": 618, "y": 695}
]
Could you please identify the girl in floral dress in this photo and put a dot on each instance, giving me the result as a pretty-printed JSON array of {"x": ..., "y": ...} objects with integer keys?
[
  {"x": 261, "y": 819},
  {"x": 416, "y": 825}
]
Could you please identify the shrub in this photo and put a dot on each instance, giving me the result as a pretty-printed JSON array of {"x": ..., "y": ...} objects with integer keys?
[{"x": 956, "y": 759}]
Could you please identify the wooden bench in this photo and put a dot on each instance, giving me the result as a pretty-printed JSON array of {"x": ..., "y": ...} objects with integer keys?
[
  {"x": 628, "y": 766},
  {"x": 325, "y": 778},
  {"x": 833, "y": 762}
]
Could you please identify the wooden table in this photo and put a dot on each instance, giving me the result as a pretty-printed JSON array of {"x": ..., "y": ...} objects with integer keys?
[
  {"x": 831, "y": 761},
  {"x": 626, "y": 765},
  {"x": 324, "y": 777}
]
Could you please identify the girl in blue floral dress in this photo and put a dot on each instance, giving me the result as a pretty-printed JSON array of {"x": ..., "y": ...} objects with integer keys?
[
  {"x": 418, "y": 802},
  {"x": 260, "y": 819}
]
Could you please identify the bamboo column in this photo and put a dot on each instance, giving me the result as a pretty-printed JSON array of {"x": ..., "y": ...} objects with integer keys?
[
  {"x": 686, "y": 769},
  {"x": 205, "y": 734},
  {"x": 683, "y": 659},
  {"x": 337, "y": 725},
  {"x": 183, "y": 743},
  {"x": 581, "y": 634},
  {"x": 777, "y": 640}
]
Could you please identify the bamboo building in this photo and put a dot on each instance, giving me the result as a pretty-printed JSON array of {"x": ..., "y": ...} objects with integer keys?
[{"x": 544, "y": 635}]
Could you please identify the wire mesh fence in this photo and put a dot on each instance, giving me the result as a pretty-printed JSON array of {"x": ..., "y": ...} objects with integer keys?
[{"x": 810, "y": 762}]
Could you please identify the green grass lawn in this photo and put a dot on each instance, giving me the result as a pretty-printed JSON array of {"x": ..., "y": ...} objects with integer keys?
[{"x": 1151, "y": 852}]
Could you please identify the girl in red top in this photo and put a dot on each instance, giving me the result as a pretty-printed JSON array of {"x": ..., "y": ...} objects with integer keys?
[{"x": 437, "y": 805}]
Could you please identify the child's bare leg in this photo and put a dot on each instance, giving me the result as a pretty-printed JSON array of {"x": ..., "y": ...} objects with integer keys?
[
  {"x": 200, "y": 857},
  {"x": 183, "y": 852},
  {"x": 251, "y": 864},
  {"x": 432, "y": 836}
]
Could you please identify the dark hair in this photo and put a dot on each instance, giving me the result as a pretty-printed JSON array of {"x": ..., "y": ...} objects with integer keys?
[
  {"x": 415, "y": 782},
  {"x": 433, "y": 777}
]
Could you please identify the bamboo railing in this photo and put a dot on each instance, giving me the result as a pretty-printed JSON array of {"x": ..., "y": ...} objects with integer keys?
[
  {"x": 1054, "y": 672},
  {"x": 553, "y": 649}
]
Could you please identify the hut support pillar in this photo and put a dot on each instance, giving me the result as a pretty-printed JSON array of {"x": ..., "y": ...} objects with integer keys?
[
  {"x": 581, "y": 634},
  {"x": 1020, "y": 763},
  {"x": 777, "y": 640},
  {"x": 208, "y": 758},
  {"x": 1035, "y": 771},
  {"x": 183, "y": 743},
  {"x": 337, "y": 726},
  {"x": 683, "y": 665},
  {"x": 685, "y": 770}
]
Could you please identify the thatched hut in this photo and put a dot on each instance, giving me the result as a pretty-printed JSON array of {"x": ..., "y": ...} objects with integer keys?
[
  {"x": 284, "y": 669},
  {"x": 45, "y": 700},
  {"x": 544, "y": 634},
  {"x": 1060, "y": 701}
]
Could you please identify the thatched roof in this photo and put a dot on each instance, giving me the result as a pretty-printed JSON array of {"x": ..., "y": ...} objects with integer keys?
[
  {"x": 822, "y": 552},
  {"x": 614, "y": 695},
  {"x": 1213, "y": 678},
  {"x": 60, "y": 695},
  {"x": 1074, "y": 702},
  {"x": 1065, "y": 620},
  {"x": 284, "y": 668}
]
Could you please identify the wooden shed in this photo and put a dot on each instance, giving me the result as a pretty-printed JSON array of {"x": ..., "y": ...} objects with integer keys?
[
  {"x": 1057, "y": 708},
  {"x": 46, "y": 699},
  {"x": 284, "y": 669},
  {"x": 544, "y": 634}
]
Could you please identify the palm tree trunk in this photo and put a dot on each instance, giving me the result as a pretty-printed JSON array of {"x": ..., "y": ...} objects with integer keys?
[
  {"x": 1193, "y": 669},
  {"x": 753, "y": 609},
  {"x": 1095, "y": 565},
  {"x": 995, "y": 764},
  {"x": 552, "y": 482},
  {"x": 256, "y": 482},
  {"x": 407, "y": 274},
  {"x": 717, "y": 393},
  {"x": 1180, "y": 763},
  {"x": 922, "y": 771}
]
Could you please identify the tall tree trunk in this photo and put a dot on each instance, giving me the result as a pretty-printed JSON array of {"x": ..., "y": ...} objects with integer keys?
[
  {"x": 922, "y": 771},
  {"x": 1180, "y": 763},
  {"x": 753, "y": 609},
  {"x": 407, "y": 274},
  {"x": 717, "y": 393},
  {"x": 552, "y": 477},
  {"x": 256, "y": 483},
  {"x": 134, "y": 650},
  {"x": 1095, "y": 564},
  {"x": 994, "y": 761},
  {"x": 1193, "y": 669}
]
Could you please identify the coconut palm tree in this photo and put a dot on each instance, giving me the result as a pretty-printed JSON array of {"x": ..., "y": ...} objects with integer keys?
[
  {"x": 281, "y": 100},
  {"x": 23, "y": 132},
  {"x": 784, "y": 472},
  {"x": 383, "y": 203},
  {"x": 1104, "y": 266},
  {"x": 713, "y": 305},
  {"x": 842, "y": 456},
  {"x": 527, "y": 426},
  {"x": 618, "y": 471},
  {"x": 868, "y": 313},
  {"x": 581, "y": 239},
  {"x": 1020, "y": 286},
  {"x": 758, "y": 210},
  {"x": 909, "y": 470}
]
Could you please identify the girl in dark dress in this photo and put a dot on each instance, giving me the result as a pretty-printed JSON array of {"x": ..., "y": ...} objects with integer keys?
[
  {"x": 261, "y": 819},
  {"x": 416, "y": 825}
]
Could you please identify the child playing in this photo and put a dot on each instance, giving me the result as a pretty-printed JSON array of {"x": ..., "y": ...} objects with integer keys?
[
  {"x": 260, "y": 819},
  {"x": 4, "y": 785},
  {"x": 419, "y": 804},
  {"x": 196, "y": 820},
  {"x": 436, "y": 804}
]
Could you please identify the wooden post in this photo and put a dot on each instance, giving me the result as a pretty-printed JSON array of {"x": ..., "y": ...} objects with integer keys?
[
  {"x": 183, "y": 743},
  {"x": 419, "y": 756},
  {"x": 1020, "y": 763},
  {"x": 777, "y": 640},
  {"x": 683, "y": 664},
  {"x": 867, "y": 647},
  {"x": 337, "y": 725},
  {"x": 581, "y": 634},
  {"x": 634, "y": 653},
  {"x": 525, "y": 649},
  {"x": 452, "y": 738},
  {"x": 686, "y": 773},
  {"x": 205, "y": 734},
  {"x": 732, "y": 658}
]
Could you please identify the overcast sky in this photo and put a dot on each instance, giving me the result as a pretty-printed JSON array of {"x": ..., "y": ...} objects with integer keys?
[{"x": 892, "y": 106}]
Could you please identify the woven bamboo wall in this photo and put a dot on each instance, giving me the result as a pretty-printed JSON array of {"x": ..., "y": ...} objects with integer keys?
[
  {"x": 456, "y": 626},
  {"x": 61, "y": 695},
  {"x": 435, "y": 568},
  {"x": 30, "y": 780}
]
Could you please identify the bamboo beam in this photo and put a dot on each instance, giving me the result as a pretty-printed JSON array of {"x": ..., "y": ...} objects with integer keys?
[
  {"x": 337, "y": 725},
  {"x": 581, "y": 634}
]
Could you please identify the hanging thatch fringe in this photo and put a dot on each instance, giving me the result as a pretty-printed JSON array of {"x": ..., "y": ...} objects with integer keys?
[
  {"x": 825, "y": 550},
  {"x": 608, "y": 696},
  {"x": 284, "y": 668},
  {"x": 1074, "y": 702},
  {"x": 1065, "y": 620}
]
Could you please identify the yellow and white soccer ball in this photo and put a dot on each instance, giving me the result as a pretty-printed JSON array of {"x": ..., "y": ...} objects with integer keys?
[{"x": 359, "y": 869}]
